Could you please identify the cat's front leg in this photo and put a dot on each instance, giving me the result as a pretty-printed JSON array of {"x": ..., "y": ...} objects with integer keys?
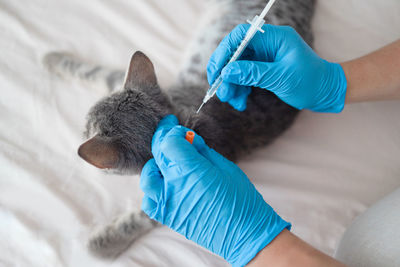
[{"x": 113, "y": 239}]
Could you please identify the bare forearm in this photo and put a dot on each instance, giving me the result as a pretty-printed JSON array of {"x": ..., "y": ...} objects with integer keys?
[
  {"x": 288, "y": 250},
  {"x": 375, "y": 76}
]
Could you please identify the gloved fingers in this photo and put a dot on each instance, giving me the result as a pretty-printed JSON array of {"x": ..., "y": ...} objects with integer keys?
[
  {"x": 175, "y": 155},
  {"x": 278, "y": 42},
  {"x": 226, "y": 91},
  {"x": 149, "y": 207},
  {"x": 210, "y": 154},
  {"x": 235, "y": 95},
  {"x": 239, "y": 101},
  {"x": 221, "y": 162},
  {"x": 224, "y": 51},
  {"x": 247, "y": 54},
  {"x": 151, "y": 181},
  {"x": 168, "y": 121},
  {"x": 200, "y": 145},
  {"x": 164, "y": 126},
  {"x": 207, "y": 156},
  {"x": 251, "y": 73},
  {"x": 272, "y": 45},
  {"x": 176, "y": 148},
  {"x": 268, "y": 47}
]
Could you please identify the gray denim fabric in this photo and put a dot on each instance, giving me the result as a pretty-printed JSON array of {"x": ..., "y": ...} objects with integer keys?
[{"x": 373, "y": 239}]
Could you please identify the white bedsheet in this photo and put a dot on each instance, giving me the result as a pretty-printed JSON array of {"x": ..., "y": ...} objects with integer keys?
[{"x": 319, "y": 175}]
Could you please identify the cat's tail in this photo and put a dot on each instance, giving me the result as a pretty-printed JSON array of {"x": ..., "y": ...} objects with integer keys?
[{"x": 68, "y": 66}]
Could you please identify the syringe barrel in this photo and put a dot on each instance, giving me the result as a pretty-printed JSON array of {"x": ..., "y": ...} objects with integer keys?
[
  {"x": 256, "y": 25},
  {"x": 213, "y": 89}
]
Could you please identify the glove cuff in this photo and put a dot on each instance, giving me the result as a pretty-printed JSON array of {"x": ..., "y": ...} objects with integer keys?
[
  {"x": 336, "y": 88},
  {"x": 263, "y": 237}
]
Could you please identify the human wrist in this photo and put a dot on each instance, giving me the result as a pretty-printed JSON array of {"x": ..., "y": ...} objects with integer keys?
[
  {"x": 375, "y": 76},
  {"x": 288, "y": 250},
  {"x": 281, "y": 245},
  {"x": 262, "y": 235}
]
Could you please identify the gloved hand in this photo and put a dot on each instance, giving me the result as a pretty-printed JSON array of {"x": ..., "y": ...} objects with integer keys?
[
  {"x": 280, "y": 61},
  {"x": 198, "y": 193}
]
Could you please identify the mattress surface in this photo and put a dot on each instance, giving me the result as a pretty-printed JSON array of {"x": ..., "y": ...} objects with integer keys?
[{"x": 319, "y": 175}]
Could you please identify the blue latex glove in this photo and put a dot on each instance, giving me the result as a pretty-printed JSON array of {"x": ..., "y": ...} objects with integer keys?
[
  {"x": 200, "y": 194},
  {"x": 280, "y": 61}
]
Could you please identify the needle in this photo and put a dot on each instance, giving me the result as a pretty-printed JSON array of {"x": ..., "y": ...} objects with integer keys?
[{"x": 200, "y": 107}]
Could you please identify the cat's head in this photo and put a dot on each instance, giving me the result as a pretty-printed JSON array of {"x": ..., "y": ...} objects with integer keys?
[{"x": 121, "y": 125}]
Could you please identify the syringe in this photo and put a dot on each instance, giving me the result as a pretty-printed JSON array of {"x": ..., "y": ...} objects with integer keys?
[{"x": 256, "y": 24}]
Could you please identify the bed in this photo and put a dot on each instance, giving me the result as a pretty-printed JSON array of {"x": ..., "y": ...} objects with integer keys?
[{"x": 321, "y": 174}]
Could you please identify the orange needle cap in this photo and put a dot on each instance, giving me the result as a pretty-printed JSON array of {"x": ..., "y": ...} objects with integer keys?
[{"x": 190, "y": 136}]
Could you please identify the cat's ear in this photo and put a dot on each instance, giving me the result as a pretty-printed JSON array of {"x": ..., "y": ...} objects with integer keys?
[
  {"x": 99, "y": 152},
  {"x": 140, "y": 72}
]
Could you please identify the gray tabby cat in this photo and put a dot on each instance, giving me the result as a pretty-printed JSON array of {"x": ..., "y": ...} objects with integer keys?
[{"x": 121, "y": 125}]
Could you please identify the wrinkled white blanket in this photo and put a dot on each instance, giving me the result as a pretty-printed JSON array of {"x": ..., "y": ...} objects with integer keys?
[{"x": 319, "y": 175}]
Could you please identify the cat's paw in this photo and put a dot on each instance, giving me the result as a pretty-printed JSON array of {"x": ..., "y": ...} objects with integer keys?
[{"x": 113, "y": 239}]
